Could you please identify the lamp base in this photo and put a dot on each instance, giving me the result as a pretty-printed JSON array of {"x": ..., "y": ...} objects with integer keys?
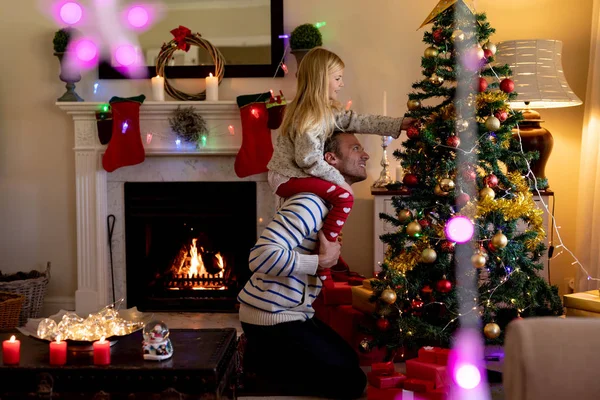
[{"x": 535, "y": 138}]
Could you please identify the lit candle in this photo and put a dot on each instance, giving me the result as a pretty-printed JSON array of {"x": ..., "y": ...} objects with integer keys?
[
  {"x": 399, "y": 174},
  {"x": 158, "y": 88},
  {"x": 58, "y": 352},
  {"x": 11, "y": 351},
  {"x": 212, "y": 88},
  {"x": 101, "y": 352},
  {"x": 384, "y": 102}
]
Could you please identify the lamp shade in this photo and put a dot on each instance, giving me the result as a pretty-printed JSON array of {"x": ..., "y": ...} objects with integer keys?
[{"x": 537, "y": 72}]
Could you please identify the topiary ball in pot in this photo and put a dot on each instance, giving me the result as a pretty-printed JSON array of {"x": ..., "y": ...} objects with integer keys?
[{"x": 303, "y": 38}]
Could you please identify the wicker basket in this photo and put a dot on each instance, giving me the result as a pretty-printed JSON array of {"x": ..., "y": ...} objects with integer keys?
[
  {"x": 34, "y": 291},
  {"x": 10, "y": 309}
]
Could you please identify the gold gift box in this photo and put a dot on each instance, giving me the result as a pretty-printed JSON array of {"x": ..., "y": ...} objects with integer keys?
[
  {"x": 582, "y": 304},
  {"x": 360, "y": 298}
]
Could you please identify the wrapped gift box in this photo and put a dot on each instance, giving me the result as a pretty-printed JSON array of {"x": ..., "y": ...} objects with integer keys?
[
  {"x": 375, "y": 393},
  {"x": 360, "y": 299},
  {"x": 582, "y": 304},
  {"x": 418, "y": 385},
  {"x": 386, "y": 381},
  {"x": 437, "y": 374},
  {"x": 429, "y": 354}
]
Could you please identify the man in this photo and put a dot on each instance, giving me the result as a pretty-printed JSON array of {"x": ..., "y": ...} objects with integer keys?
[{"x": 286, "y": 345}]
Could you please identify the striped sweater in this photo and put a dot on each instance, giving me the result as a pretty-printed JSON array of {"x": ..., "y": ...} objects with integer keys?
[{"x": 283, "y": 284}]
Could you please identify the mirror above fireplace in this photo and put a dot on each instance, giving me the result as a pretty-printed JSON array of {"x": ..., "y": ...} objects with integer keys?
[{"x": 245, "y": 31}]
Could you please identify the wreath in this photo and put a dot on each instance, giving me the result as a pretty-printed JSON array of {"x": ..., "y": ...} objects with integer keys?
[
  {"x": 183, "y": 40},
  {"x": 188, "y": 124}
]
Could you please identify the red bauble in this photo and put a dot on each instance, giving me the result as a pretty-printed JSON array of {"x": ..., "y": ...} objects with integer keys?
[
  {"x": 447, "y": 246},
  {"x": 482, "y": 84},
  {"x": 507, "y": 85},
  {"x": 383, "y": 324},
  {"x": 416, "y": 307},
  {"x": 424, "y": 223},
  {"x": 468, "y": 174},
  {"x": 491, "y": 180},
  {"x": 443, "y": 286},
  {"x": 501, "y": 115},
  {"x": 453, "y": 141},
  {"x": 438, "y": 36},
  {"x": 412, "y": 132},
  {"x": 491, "y": 247},
  {"x": 410, "y": 180},
  {"x": 462, "y": 199},
  {"x": 487, "y": 53}
]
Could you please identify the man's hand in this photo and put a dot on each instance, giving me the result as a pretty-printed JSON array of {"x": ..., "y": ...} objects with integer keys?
[
  {"x": 406, "y": 122},
  {"x": 329, "y": 252}
]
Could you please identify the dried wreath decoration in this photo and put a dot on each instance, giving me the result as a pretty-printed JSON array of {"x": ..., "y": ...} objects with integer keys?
[{"x": 189, "y": 125}]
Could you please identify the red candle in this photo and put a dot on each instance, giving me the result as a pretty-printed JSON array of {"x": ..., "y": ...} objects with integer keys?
[
  {"x": 58, "y": 352},
  {"x": 11, "y": 351},
  {"x": 101, "y": 352}
]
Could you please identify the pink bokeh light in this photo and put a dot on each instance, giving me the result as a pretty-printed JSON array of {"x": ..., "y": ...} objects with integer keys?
[
  {"x": 71, "y": 13},
  {"x": 459, "y": 229},
  {"x": 138, "y": 17},
  {"x": 467, "y": 376},
  {"x": 141, "y": 16},
  {"x": 125, "y": 55},
  {"x": 86, "y": 53}
]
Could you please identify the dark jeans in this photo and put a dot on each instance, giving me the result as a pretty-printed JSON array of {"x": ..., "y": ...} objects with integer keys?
[{"x": 304, "y": 358}]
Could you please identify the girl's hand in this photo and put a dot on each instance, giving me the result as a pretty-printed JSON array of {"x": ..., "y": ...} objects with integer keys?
[{"x": 406, "y": 122}]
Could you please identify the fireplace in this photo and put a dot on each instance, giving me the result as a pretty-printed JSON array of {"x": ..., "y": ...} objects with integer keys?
[{"x": 187, "y": 244}]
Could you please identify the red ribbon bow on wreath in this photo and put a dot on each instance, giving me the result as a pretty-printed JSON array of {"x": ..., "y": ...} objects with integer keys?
[{"x": 180, "y": 34}]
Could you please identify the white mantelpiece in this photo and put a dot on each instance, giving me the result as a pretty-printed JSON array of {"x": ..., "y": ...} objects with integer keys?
[{"x": 99, "y": 194}]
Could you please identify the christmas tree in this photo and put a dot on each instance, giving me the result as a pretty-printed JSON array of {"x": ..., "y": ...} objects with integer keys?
[{"x": 458, "y": 255}]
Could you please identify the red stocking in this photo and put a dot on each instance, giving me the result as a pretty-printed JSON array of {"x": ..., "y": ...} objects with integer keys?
[
  {"x": 276, "y": 107},
  {"x": 125, "y": 147},
  {"x": 257, "y": 147}
]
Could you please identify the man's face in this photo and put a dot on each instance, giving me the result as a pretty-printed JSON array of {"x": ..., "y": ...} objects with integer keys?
[{"x": 351, "y": 160}]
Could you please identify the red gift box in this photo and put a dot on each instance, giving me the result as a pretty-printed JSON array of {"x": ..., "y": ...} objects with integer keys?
[
  {"x": 381, "y": 381},
  {"x": 418, "y": 385},
  {"x": 437, "y": 374},
  {"x": 375, "y": 393},
  {"x": 441, "y": 356},
  {"x": 428, "y": 353},
  {"x": 383, "y": 368},
  {"x": 337, "y": 293},
  {"x": 437, "y": 394}
]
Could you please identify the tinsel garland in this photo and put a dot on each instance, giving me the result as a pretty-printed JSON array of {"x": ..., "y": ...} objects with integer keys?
[
  {"x": 485, "y": 98},
  {"x": 409, "y": 258}
]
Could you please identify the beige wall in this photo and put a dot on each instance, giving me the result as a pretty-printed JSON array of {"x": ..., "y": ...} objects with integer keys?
[{"x": 378, "y": 41}]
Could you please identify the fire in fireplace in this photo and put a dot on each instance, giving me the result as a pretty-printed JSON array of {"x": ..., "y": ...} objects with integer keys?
[{"x": 187, "y": 244}]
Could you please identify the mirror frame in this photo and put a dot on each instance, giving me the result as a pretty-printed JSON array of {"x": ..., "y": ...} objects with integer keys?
[{"x": 107, "y": 71}]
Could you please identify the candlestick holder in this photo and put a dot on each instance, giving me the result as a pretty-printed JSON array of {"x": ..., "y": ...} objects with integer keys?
[{"x": 384, "y": 175}]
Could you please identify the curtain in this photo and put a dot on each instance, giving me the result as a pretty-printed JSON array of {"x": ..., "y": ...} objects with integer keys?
[{"x": 588, "y": 216}]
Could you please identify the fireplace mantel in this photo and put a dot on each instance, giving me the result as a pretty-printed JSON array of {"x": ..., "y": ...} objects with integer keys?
[{"x": 99, "y": 194}]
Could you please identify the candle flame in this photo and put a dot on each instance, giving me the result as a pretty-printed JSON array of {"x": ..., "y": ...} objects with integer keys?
[
  {"x": 211, "y": 75},
  {"x": 12, "y": 339},
  {"x": 102, "y": 339},
  {"x": 57, "y": 338}
]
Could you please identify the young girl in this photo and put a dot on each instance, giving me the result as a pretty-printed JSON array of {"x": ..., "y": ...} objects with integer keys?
[{"x": 297, "y": 164}]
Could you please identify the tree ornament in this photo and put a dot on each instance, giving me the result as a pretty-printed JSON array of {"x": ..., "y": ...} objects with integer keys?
[
  {"x": 490, "y": 46},
  {"x": 410, "y": 180},
  {"x": 364, "y": 346},
  {"x": 491, "y": 180},
  {"x": 426, "y": 291},
  {"x": 499, "y": 240},
  {"x": 453, "y": 141},
  {"x": 436, "y": 80},
  {"x": 413, "y": 228},
  {"x": 483, "y": 84},
  {"x": 492, "y": 123},
  {"x": 424, "y": 223},
  {"x": 487, "y": 54},
  {"x": 431, "y": 52},
  {"x": 507, "y": 85},
  {"x": 404, "y": 216},
  {"x": 416, "y": 305},
  {"x": 462, "y": 199},
  {"x": 478, "y": 260},
  {"x": 487, "y": 192},
  {"x": 447, "y": 246},
  {"x": 388, "y": 296},
  {"x": 413, "y": 105},
  {"x": 468, "y": 174},
  {"x": 462, "y": 125},
  {"x": 479, "y": 53},
  {"x": 437, "y": 190},
  {"x": 447, "y": 184},
  {"x": 491, "y": 330},
  {"x": 501, "y": 115},
  {"x": 412, "y": 132},
  {"x": 443, "y": 285},
  {"x": 383, "y": 324},
  {"x": 491, "y": 247},
  {"x": 428, "y": 256},
  {"x": 458, "y": 36},
  {"x": 438, "y": 35}
]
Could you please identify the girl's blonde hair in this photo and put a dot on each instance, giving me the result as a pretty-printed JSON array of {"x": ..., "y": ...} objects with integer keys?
[{"x": 312, "y": 106}]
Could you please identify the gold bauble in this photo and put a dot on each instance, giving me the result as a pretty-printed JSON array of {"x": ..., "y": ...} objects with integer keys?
[
  {"x": 487, "y": 192},
  {"x": 447, "y": 184},
  {"x": 413, "y": 228},
  {"x": 491, "y": 330},
  {"x": 431, "y": 52},
  {"x": 499, "y": 240},
  {"x": 404, "y": 216},
  {"x": 428, "y": 256},
  {"x": 388, "y": 296},
  {"x": 413, "y": 105},
  {"x": 478, "y": 260},
  {"x": 490, "y": 46},
  {"x": 436, "y": 80},
  {"x": 492, "y": 123},
  {"x": 458, "y": 36},
  {"x": 437, "y": 190}
]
